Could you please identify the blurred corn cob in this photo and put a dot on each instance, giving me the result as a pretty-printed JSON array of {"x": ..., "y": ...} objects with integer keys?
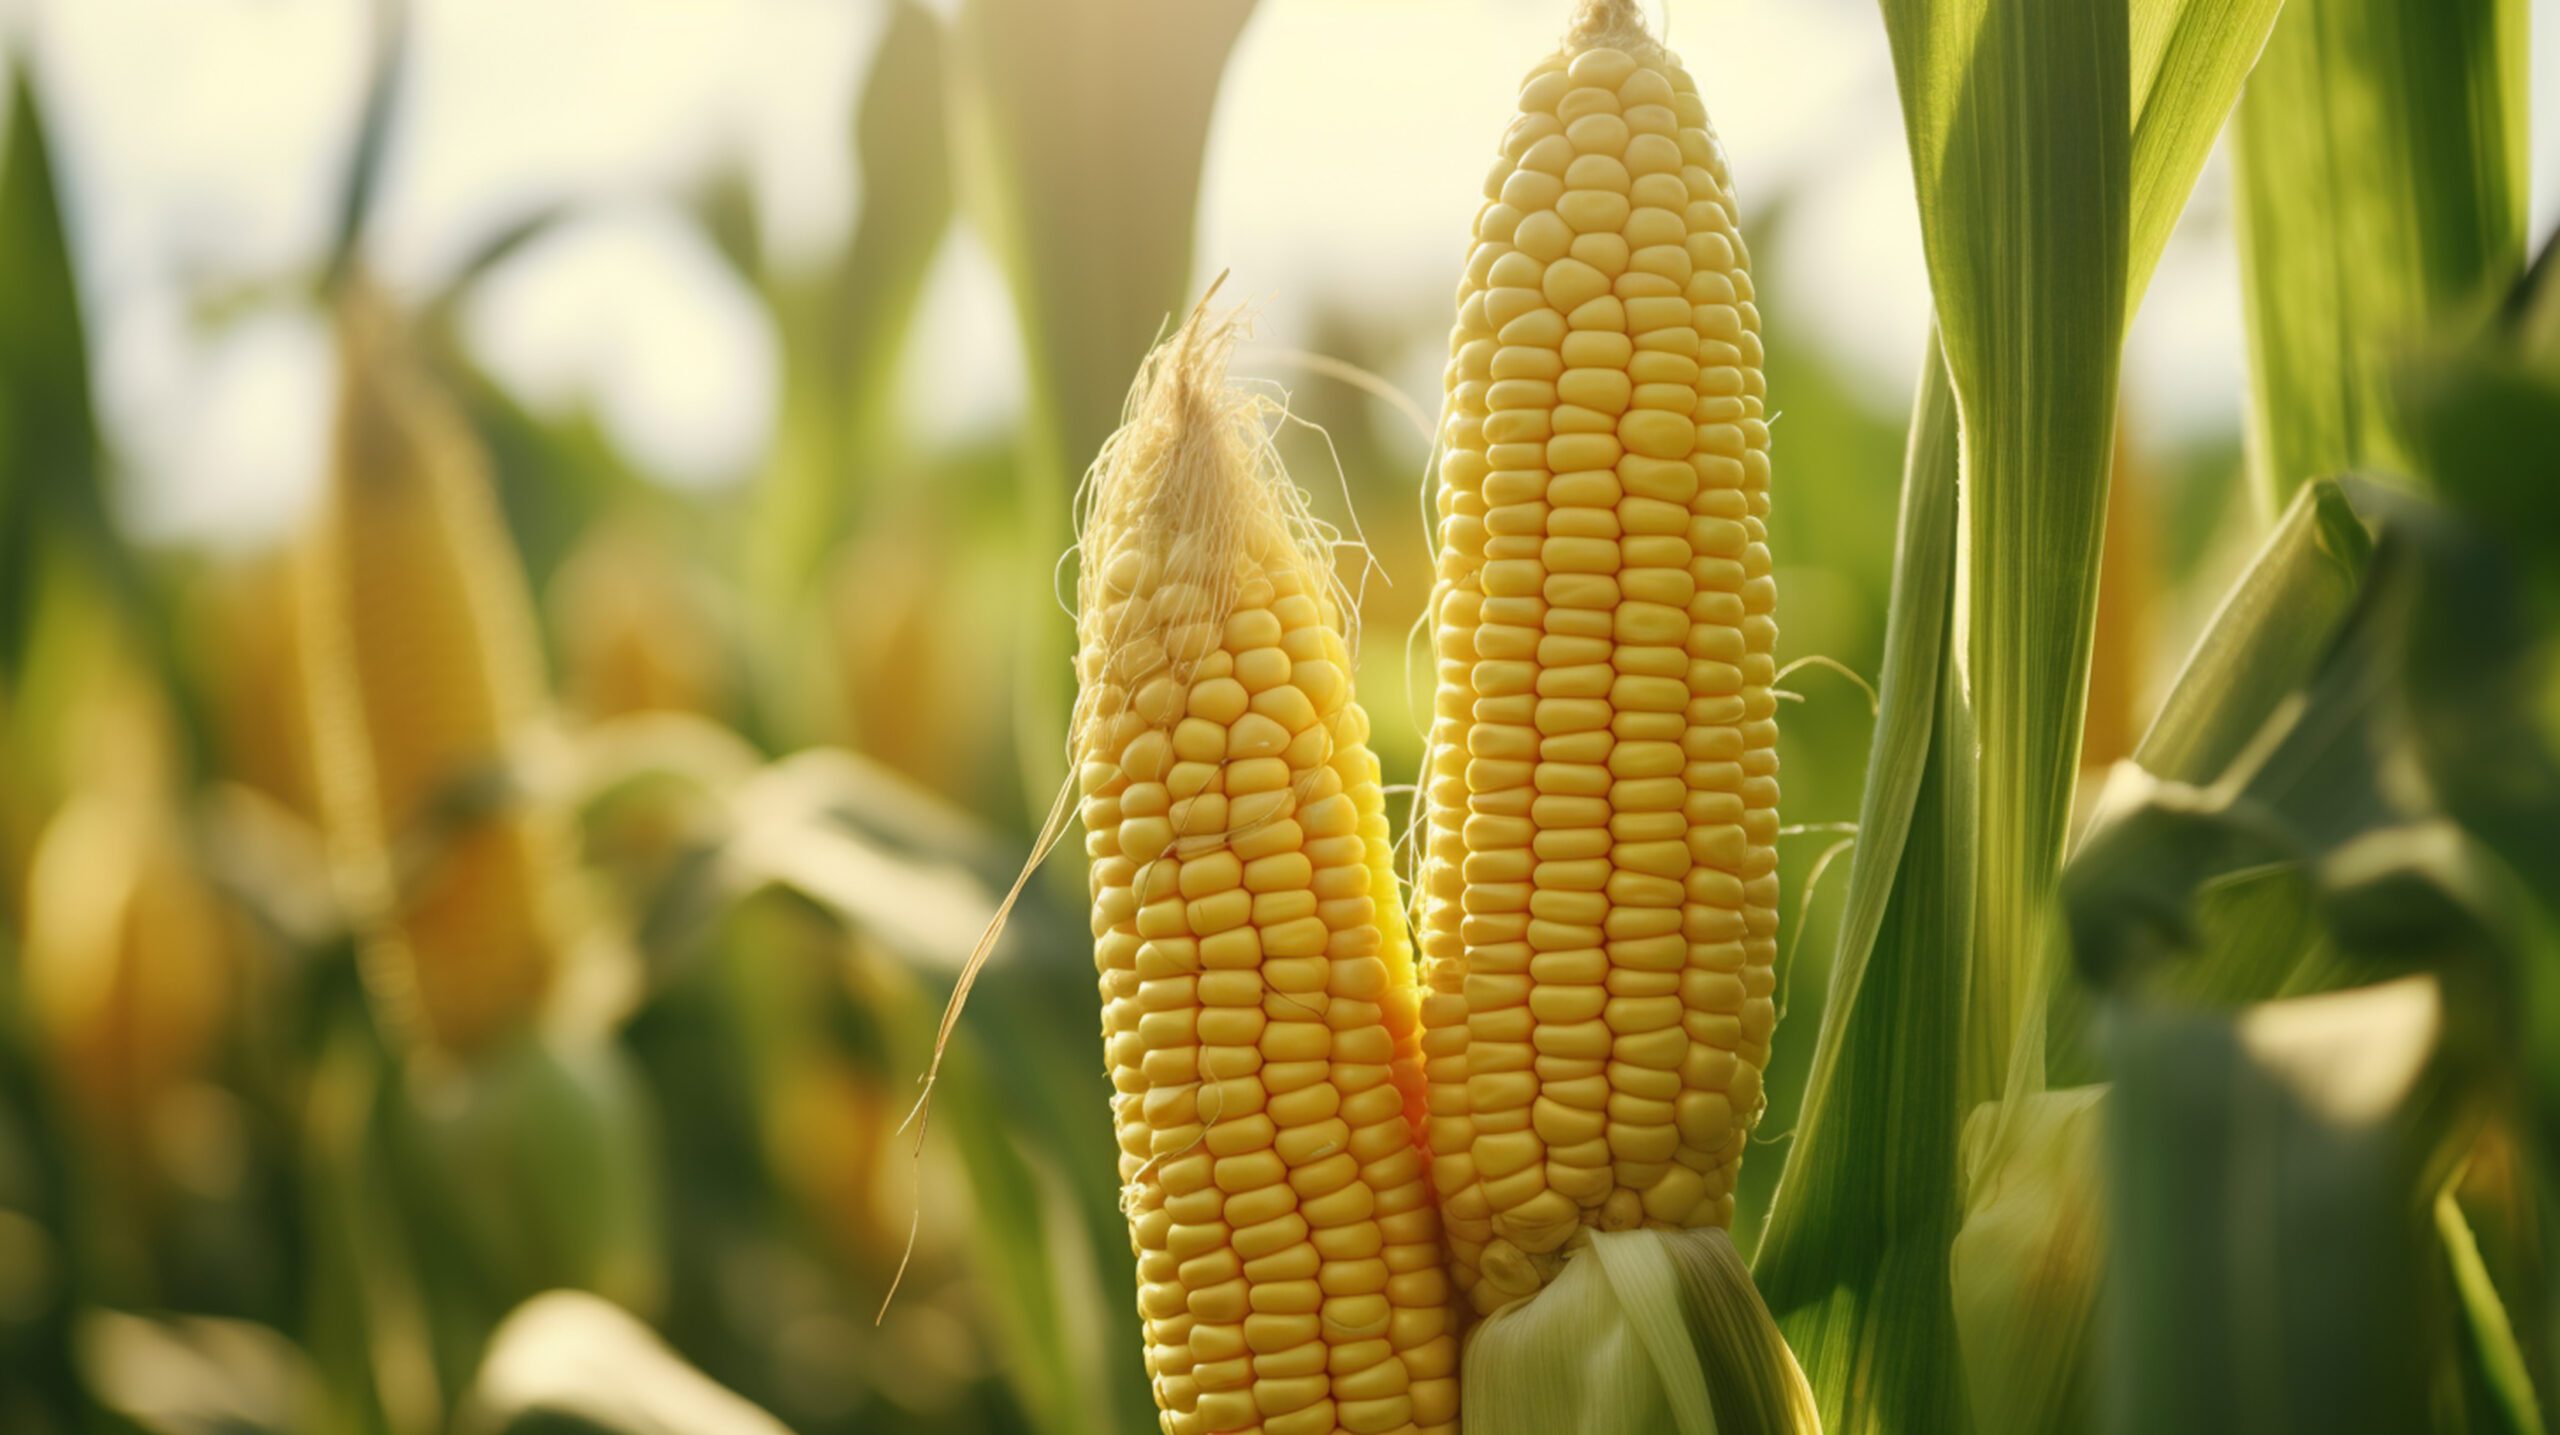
[
  {"x": 635, "y": 632},
  {"x": 424, "y": 681},
  {"x": 911, "y": 650},
  {"x": 1258, "y": 998},
  {"x": 128, "y": 966},
  {"x": 254, "y": 676}
]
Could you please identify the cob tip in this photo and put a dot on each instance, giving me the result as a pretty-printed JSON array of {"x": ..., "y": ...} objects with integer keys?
[
  {"x": 1617, "y": 24},
  {"x": 1193, "y": 481}
]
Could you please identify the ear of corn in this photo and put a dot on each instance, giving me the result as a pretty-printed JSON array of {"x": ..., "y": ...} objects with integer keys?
[
  {"x": 635, "y": 636},
  {"x": 1258, "y": 1001},
  {"x": 1599, "y": 894},
  {"x": 127, "y": 964},
  {"x": 424, "y": 675},
  {"x": 253, "y": 632}
]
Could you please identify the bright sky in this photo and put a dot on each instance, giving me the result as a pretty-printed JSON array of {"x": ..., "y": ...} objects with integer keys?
[{"x": 202, "y": 135}]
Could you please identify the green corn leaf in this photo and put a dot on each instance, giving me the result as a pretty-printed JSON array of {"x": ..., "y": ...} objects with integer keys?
[
  {"x": 917, "y": 879},
  {"x": 902, "y": 138},
  {"x": 2504, "y": 1373},
  {"x": 48, "y": 444},
  {"x": 2190, "y": 58},
  {"x": 2499, "y": 1199},
  {"x": 2018, "y": 116},
  {"x": 2251, "y": 927},
  {"x": 1853, "y": 1260},
  {"x": 1855, "y": 1257},
  {"x": 2486, "y": 631},
  {"x": 2486, "y": 644},
  {"x": 529, "y": 1169},
  {"x": 2372, "y": 799},
  {"x": 842, "y": 325},
  {"x": 1068, "y": 1380},
  {"x": 2265, "y": 639},
  {"x": 2381, "y": 181},
  {"x": 1080, "y": 131},
  {"x": 2327, "y": 769},
  {"x": 2314, "y": 1131},
  {"x": 1084, "y": 127},
  {"x": 360, "y": 189}
]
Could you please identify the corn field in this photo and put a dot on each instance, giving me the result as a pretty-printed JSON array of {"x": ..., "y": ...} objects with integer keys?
[{"x": 1550, "y": 717}]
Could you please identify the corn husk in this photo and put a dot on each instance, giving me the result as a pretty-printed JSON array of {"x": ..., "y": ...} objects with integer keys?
[
  {"x": 1643, "y": 1330},
  {"x": 2026, "y": 1264}
]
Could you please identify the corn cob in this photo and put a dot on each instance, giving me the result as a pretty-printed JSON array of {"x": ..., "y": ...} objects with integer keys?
[
  {"x": 1257, "y": 986},
  {"x": 1598, "y": 904},
  {"x": 253, "y": 631},
  {"x": 127, "y": 966},
  {"x": 423, "y": 676},
  {"x": 634, "y": 635}
]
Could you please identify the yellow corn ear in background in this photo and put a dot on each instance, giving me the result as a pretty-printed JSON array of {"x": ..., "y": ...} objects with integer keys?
[
  {"x": 255, "y": 680},
  {"x": 1598, "y": 905},
  {"x": 908, "y": 648},
  {"x": 128, "y": 966},
  {"x": 1257, "y": 983},
  {"x": 636, "y": 633},
  {"x": 424, "y": 674}
]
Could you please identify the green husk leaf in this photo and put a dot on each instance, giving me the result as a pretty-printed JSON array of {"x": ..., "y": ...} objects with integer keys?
[
  {"x": 1648, "y": 1330},
  {"x": 2027, "y": 1266},
  {"x": 2381, "y": 181}
]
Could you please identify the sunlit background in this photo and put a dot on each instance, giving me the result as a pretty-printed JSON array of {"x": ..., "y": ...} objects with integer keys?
[
  {"x": 636, "y": 217},
  {"x": 1341, "y": 169}
]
